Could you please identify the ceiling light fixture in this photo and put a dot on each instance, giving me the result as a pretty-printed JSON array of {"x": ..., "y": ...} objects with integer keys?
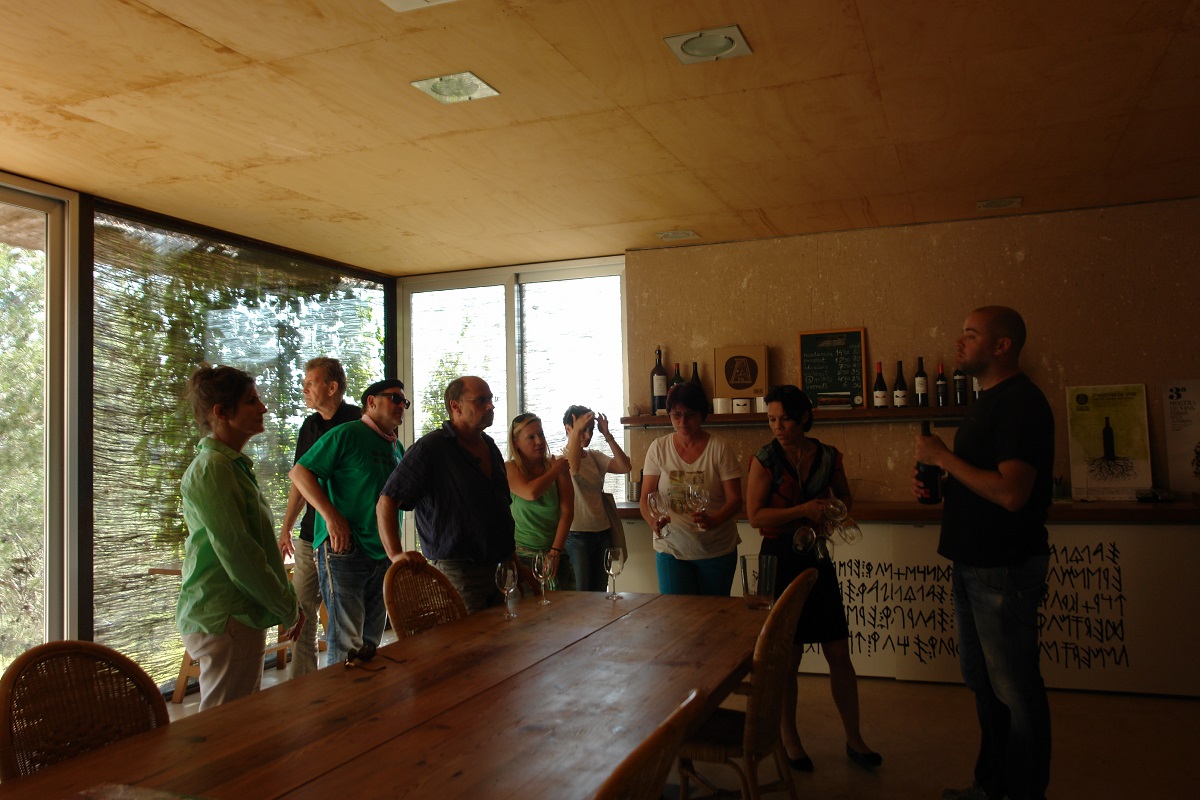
[
  {"x": 714, "y": 44},
  {"x": 412, "y": 5},
  {"x": 456, "y": 88},
  {"x": 674, "y": 236}
]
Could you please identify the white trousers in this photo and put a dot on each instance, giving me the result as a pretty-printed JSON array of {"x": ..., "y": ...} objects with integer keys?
[{"x": 231, "y": 663}]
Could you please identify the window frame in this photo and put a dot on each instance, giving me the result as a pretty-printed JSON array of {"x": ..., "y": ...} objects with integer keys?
[
  {"x": 510, "y": 278},
  {"x": 64, "y": 559}
]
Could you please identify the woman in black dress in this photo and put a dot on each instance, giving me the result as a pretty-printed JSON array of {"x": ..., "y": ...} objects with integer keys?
[{"x": 792, "y": 480}]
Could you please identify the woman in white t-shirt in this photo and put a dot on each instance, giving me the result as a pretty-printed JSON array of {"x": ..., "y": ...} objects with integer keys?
[
  {"x": 590, "y": 532},
  {"x": 695, "y": 553}
]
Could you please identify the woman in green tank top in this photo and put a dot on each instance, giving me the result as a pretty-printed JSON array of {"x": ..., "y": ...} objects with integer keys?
[{"x": 543, "y": 499}]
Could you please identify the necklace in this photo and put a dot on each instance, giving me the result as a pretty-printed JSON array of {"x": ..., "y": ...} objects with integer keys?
[{"x": 802, "y": 455}]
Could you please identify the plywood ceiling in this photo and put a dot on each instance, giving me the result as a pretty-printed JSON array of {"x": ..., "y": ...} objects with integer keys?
[{"x": 293, "y": 121}]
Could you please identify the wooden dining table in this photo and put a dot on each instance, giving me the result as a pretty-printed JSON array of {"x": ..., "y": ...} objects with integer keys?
[{"x": 543, "y": 705}]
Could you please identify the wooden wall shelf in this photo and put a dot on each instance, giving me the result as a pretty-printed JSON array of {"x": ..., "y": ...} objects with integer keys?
[{"x": 940, "y": 417}]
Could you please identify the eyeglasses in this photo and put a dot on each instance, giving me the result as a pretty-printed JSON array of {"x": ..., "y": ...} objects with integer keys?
[{"x": 398, "y": 399}]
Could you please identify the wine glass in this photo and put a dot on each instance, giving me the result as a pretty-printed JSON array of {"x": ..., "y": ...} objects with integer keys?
[
  {"x": 849, "y": 532},
  {"x": 660, "y": 506},
  {"x": 506, "y": 582},
  {"x": 836, "y": 510},
  {"x": 614, "y": 559},
  {"x": 541, "y": 571},
  {"x": 696, "y": 500},
  {"x": 804, "y": 538},
  {"x": 824, "y": 543}
]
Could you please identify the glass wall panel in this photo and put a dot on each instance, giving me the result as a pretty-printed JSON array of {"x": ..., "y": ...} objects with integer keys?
[
  {"x": 458, "y": 332},
  {"x": 571, "y": 349},
  {"x": 23, "y": 234},
  {"x": 165, "y": 301}
]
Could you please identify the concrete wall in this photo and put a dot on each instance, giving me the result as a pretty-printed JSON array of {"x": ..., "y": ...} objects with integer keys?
[{"x": 1109, "y": 296}]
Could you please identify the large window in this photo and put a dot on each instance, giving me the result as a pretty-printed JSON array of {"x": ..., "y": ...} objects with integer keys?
[
  {"x": 166, "y": 300},
  {"x": 22, "y": 473},
  {"x": 544, "y": 338},
  {"x": 571, "y": 350},
  {"x": 456, "y": 332},
  {"x": 36, "y": 505}
]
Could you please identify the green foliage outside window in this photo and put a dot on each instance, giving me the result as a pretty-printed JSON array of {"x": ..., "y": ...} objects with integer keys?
[
  {"x": 22, "y": 359},
  {"x": 164, "y": 302}
]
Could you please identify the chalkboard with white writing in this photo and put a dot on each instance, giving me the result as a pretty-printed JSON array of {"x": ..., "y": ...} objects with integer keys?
[{"x": 832, "y": 368}]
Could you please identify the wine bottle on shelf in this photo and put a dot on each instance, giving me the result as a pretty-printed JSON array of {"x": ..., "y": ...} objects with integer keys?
[
  {"x": 677, "y": 378},
  {"x": 929, "y": 476},
  {"x": 658, "y": 384},
  {"x": 879, "y": 390},
  {"x": 696, "y": 374},
  {"x": 942, "y": 388},
  {"x": 900, "y": 387},
  {"x": 921, "y": 384},
  {"x": 960, "y": 388},
  {"x": 975, "y": 388}
]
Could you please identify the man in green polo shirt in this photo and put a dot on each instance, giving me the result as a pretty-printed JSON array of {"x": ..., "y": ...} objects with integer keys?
[{"x": 341, "y": 476}]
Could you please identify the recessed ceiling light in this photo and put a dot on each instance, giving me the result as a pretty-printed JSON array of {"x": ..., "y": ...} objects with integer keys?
[
  {"x": 456, "y": 88},
  {"x": 710, "y": 45},
  {"x": 998, "y": 203},
  {"x": 674, "y": 236}
]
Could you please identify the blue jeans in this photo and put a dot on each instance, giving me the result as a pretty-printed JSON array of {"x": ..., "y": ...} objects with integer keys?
[
  {"x": 996, "y": 611},
  {"x": 586, "y": 551},
  {"x": 710, "y": 576},
  {"x": 475, "y": 583},
  {"x": 352, "y": 588}
]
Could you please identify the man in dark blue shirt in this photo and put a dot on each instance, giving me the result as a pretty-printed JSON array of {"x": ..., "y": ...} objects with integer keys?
[
  {"x": 454, "y": 479},
  {"x": 997, "y": 490}
]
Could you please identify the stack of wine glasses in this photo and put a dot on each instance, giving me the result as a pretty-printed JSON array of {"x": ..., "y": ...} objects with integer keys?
[{"x": 837, "y": 523}]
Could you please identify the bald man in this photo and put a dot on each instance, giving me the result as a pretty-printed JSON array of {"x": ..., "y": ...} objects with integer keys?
[{"x": 997, "y": 487}]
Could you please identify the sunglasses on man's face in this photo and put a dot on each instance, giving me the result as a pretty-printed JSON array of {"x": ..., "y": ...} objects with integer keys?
[{"x": 398, "y": 399}]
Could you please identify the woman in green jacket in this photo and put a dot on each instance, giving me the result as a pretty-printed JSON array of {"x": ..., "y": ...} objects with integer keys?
[{"x": 234, "y": 582}]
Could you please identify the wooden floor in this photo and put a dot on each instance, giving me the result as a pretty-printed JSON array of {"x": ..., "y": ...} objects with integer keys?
[{"x": 1105, "y": 745}]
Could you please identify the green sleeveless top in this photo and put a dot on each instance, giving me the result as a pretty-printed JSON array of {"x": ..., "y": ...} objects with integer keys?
[{"x": 536, "y": 520}]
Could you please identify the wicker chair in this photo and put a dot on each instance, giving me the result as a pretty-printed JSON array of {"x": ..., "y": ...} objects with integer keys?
[
  {"x": 728, "y": 735},
  {"x": 419, "y": 597},
  {"x": 61, "y": 699},
  {"x": 643, "y": 773}
]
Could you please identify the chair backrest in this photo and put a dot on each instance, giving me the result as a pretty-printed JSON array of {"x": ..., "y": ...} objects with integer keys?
[
  {"x": 643, "y": 773},
  {"x": 419, "y": 597},
  {"x": 772, "y": 665},
  {"x": 61, "y": 699}
]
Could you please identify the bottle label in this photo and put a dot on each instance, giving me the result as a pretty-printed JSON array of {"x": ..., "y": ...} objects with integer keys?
[
  {"x": 921, "y": 385},
  {"x": 960, "y": 391},
  {"x": 881, "y": 399},
  {"x": 658, "y": 386},
  {"x": 899, "y": 398}
]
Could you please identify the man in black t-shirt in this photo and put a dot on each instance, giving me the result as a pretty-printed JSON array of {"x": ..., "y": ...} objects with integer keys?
[
  {"x": 997, "y": 489},
  {"x": 324, "y": 387}
]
